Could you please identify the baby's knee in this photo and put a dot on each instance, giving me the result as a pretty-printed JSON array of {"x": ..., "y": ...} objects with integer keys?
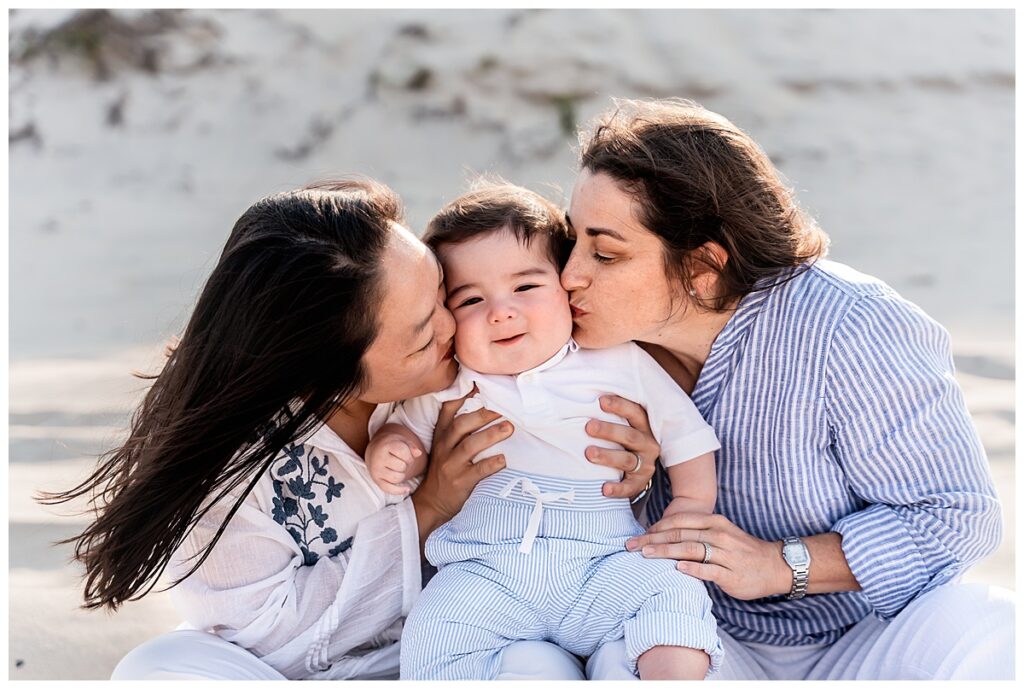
[
  {"x": 673, "y": 663},
  {"x": 538, "y": 660}
]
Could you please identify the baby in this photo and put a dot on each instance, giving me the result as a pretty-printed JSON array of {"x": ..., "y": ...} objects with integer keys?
[{"x": 537, "y": 550}]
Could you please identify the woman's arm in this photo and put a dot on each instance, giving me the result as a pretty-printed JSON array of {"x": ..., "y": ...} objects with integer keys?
[
  {"x": 743, "y": 566},
  {"x": 451, "y": 473},
  {"x": 905, "y": 442},
  {"x": 904, "y": 439}
]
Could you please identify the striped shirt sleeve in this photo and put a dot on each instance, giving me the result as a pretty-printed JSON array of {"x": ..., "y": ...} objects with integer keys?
[{"x": 901, "y": 431}]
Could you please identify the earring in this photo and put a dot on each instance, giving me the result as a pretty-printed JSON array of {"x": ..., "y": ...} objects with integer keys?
[{"x": 693, "y": 293}]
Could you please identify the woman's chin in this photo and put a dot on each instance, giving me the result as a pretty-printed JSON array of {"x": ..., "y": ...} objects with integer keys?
[{"x": 447, "y": 375}]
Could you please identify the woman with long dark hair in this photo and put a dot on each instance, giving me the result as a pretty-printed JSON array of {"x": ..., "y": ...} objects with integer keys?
[
  {"x": 853, "y": 488},
  {"x": 242, "y": 474}
]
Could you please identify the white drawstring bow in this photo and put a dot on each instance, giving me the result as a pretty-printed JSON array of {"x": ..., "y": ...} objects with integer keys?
[{"x": 533, "y": 525}]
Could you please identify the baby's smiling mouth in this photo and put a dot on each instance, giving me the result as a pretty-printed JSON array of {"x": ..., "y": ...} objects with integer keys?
[{"x": 510, "y": 340}]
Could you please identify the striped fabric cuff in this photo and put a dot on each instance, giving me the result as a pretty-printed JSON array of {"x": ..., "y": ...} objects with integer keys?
[
  {"x": 883, "y": 557},
  {"x": 667, "y": 628}
]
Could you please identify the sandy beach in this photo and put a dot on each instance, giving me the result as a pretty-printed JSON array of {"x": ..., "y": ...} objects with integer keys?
[{"x": 138, "y": 137}]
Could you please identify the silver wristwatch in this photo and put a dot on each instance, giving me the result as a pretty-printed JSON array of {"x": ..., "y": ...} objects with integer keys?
[{"x": 794, "y": 552}]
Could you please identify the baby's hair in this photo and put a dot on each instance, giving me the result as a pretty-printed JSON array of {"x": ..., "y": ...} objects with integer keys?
[{"x": 494, "y": 205}]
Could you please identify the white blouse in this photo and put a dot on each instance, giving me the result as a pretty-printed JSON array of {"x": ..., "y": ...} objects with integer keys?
[{"x": 317, "y": 569}]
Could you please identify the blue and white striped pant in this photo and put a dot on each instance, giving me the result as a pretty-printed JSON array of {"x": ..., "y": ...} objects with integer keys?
[{"x": 577, "y": 586}]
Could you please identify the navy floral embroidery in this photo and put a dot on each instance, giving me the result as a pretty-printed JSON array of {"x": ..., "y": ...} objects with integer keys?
[
  {"x": 296, "y": 511},
  {"x": 333, "y": 488},
  {"x": 341, "y": 547}
]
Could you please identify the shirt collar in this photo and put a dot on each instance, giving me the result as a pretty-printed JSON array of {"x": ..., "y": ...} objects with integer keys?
[
  {"x": 718, "y": 367},
  {"x": 568, "y": 347}
]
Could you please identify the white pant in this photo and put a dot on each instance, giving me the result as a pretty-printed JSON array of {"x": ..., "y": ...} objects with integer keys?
[
  {"x": 961, "y": 631},
  {"x": 189, "y": 654}
]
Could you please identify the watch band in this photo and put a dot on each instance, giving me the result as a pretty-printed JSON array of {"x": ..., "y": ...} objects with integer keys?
[
  {"x": 643, "y": 493},
  {"x": 800, "y": 573},
  {"x": 799, "y": 588}
]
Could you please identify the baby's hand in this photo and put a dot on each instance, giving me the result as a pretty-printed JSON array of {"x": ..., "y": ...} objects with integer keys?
[{"x": 392, "y": 461}]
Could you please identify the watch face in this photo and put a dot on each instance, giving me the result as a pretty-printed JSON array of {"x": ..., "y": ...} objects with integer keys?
[{"x": 796, "y": 554}]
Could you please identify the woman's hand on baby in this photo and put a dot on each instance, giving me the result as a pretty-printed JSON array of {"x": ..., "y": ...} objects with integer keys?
[
  {"x": 637, "y": 440},
  {"x": 451, "y": 474},
  {"x": 392, "y": 461},
  {"x": 743, "y": 566}
]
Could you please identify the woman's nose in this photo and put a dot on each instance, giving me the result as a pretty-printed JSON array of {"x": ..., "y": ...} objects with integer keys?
[
  {"x": 572, "y": 278},
  {"x": 446, "y": 325}
]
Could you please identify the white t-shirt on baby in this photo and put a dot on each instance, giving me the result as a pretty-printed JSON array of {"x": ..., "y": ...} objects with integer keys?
[{"x": 551, "y": 404}]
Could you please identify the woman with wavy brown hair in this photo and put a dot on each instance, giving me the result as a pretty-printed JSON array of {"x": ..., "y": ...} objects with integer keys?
[
  {"x": 242, "y": 474},
  {"x": 853, "y": 488}
]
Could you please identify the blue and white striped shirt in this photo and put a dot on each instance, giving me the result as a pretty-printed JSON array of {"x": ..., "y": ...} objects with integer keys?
[{"x": 836, "y": 406}]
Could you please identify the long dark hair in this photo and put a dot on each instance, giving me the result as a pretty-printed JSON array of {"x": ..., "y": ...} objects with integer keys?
[
  {"x": 697, "y": 177},
  {"x": 273, "y": 348}
]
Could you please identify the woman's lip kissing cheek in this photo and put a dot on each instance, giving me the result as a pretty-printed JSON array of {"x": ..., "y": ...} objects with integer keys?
[{"x": 577, "y": 311}]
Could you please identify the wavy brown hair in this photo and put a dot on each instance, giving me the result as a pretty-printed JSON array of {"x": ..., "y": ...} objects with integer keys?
[
  {"x": 273, "y": 348},
  {"x": 699, "y": 178}
]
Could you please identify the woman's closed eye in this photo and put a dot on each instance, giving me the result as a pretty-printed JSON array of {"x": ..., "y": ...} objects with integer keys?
[
  {"x": 427, "y": 346},
  {"x": 601, "y": 258}
]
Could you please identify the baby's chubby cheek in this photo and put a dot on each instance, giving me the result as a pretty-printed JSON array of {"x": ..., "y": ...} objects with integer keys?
[
  {"x": 467, "y": 348},
  {"x": 562, "y": 322}
]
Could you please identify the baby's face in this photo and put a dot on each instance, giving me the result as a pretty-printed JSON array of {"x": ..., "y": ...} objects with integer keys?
[{"x": 511, "y": 313}]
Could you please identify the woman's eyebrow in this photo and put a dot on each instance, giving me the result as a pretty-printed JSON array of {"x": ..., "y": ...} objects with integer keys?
[{"x": 598, "y": 231}]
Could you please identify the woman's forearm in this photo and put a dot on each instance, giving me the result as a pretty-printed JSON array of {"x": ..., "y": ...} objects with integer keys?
[
  {"x": 428, "y": 517},
  {"x": 829, "y": 572}
]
